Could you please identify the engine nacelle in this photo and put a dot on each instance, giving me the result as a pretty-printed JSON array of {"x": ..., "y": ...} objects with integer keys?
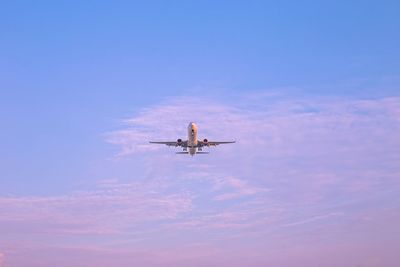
[
  {"x": 179, "y": 141},
  {"x": 205, "y": 141}
]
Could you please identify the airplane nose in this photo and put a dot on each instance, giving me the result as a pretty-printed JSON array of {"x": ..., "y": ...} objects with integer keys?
[{"x": 192, "y": 125}]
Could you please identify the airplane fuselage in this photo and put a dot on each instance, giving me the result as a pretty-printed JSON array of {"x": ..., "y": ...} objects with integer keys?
[{"x": 192, "y": 138}]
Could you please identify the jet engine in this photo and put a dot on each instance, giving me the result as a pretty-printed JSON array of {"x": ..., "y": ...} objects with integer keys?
[
  {"x": 205, "y": 141},
  {"x": 179, "y": 141}
]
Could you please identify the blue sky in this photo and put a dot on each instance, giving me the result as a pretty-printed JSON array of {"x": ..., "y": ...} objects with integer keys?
[{"x": 84, "y": 84}]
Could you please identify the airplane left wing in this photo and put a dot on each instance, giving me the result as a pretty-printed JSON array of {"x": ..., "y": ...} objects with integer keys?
[{"x": 213, "y": 143}]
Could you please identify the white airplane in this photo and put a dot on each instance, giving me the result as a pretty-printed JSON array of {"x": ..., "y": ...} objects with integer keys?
[{"x": 195, "y": 146}]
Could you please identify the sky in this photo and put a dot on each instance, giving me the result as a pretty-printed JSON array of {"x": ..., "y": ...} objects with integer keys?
[{"x": 309, "y": 90}]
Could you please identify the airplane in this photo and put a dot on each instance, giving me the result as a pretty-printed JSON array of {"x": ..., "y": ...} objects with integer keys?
[{"x": 194, "y": 145}]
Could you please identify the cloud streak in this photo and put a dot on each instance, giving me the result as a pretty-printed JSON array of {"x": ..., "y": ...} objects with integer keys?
[
  {"x": 108, "y": 210},
  {"x": 302, "y": 166}
]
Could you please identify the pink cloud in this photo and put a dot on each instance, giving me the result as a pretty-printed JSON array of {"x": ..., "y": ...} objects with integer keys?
[
  {"x": 279, "y": 127},
  {"x": 233, "y": 187},
  {"x": 314, "y": 218},
  {"x": 1, "y": 259},
  {"x": 291, "y": 151},
  {"x": 108, "y": 210},
  {"x": 315, "y": 164}
]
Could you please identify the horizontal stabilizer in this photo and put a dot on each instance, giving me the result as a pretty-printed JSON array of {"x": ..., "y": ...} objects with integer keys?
[
  {"x": 181, "y": 152},
  {"x": 202, "y": 152}
]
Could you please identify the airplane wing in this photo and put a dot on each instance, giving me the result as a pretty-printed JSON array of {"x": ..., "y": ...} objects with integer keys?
[
  {"x": 213, "y": 143},
  {"x": 171, "y": 143}
]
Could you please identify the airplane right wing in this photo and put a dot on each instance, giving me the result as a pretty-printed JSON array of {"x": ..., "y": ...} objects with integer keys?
[{"x": 178, "y": 142}]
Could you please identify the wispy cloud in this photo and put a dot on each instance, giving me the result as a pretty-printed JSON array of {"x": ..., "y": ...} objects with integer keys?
[
  {"x": 110, "y": 209},
  {"x": 1, "y": 259},
  {"x": 298, "y": 162},
  {"x": 290, "y": 152},
  {"x": 236, "y": 188},
  {"x": 311, "y": 134},
  {"x": 281, "y": 125},
  {"x": 313, "y": 219}
]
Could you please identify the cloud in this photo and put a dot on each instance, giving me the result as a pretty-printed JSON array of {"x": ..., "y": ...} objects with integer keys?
[
  {"x": 323, "y": 136},
  {"x": 313, "y": 219},
  {"x": 110, "y": 209},
  {"x": 237, "y": 188},
  {"x": 301, "y": 167},
  {"x": 263, "y": 125},
  {"x": 316, "y": 154}
]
